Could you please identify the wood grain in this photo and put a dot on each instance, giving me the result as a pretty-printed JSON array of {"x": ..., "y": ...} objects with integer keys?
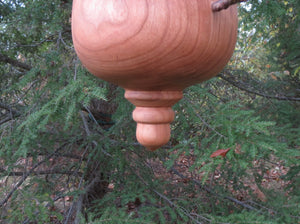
[{"x": 153, "y": 46}]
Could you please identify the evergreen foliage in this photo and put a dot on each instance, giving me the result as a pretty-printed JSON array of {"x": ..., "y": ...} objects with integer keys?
[{"x": 68, "y": 152}]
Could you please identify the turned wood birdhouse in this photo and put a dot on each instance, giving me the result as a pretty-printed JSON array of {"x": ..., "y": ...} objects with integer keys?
[{"x": 153, "y": 49}]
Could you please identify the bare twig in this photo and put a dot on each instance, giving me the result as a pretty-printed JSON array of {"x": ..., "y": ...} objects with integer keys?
[
  {"x": 88, "y": 132},
  {"x": 10, "y": 115},
  {"x": 67, "y": 155},
  {"x": 25, "y": 175},
  {"x": 79, "y": 187},
  {"x": 8, "y": 108},
  {"x": 20, "y": 98},
  {"x": 183, "y": 210},
  {"x": 224, "y": 4},
  {"x": 92, "y": 116},
  {"x": 3, "y": 121},
  {"x": 39, "y": 172},
  {"x": 14, "y": 62},
  {"x": 79, "y": 203},
  {"x": 50, "y": 38},
  {"x": 198, "y": 183},
  {"x": 203, "y": 121},
  {"x": 169, "y": 201},
  {"x": 236, "y": 84}
]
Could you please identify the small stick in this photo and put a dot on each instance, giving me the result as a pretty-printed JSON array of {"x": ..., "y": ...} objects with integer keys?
[{"x": 224, "y": 4}]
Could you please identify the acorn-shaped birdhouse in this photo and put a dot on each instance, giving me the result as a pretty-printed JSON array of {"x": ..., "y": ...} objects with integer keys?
[{"x": 153, "y": 49}]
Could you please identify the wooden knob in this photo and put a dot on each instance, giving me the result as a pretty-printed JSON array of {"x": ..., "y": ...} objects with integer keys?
[
  {"x": 153, "y": 114},
  {"x": 153, "y": 125}
]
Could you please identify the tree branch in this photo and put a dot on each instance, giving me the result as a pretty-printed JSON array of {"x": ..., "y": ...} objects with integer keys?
[
  {"x": 198, "y": 183},
  {"x": 88, "y": 132},
  {"x": 6, "y": 119},
  {"x": 236, "y": 84},
  {"x": 14, "y": 62},
  {"x": 204, "y": 122},
  {"x": 8, "y": 107},
  {"x": 67, "y": 155},
  {"x": 25, "y": 175},
  {"x": 172, "y": 204},
  {"x": 39, "y": 172},
  {"x": 224, "y": 4},
  {"x": 11, "y": 113}
]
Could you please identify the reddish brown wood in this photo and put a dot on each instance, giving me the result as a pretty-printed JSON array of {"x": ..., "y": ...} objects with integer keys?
[
  {"x": 153, "y": 49},
  {"x": 153, "y": 114}
]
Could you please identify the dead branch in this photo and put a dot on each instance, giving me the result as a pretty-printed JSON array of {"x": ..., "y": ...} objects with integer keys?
[
  {"x": 88, "y": 132},
  {"x": 198, "y": 183},
  {"x": 204, "y": 122},
  {"x": 7, "y": 119},
  {"x": 93, "y": 184},
  {"x": 66, "y": 155},
  {"x": 224, "y": 4},
  {"x": 27, "y": 174},
  {"x": 75, "y": 203},
  {"x": 240, "y": 86},
  {"x": 169, "y": 201},
  {"x": 10, "y": 115},
  {"x": 14, "y": 62},
  {"x": 39, "y": 172},
  {"x": 8, "y": 108}
]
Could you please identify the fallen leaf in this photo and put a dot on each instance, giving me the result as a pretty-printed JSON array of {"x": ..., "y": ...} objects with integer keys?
[
  {"x": 274, "y": 77},
  {"x": 220, "y": 152}
]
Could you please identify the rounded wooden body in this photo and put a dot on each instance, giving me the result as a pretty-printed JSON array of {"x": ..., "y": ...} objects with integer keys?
[{"x": 154, "y": 49}]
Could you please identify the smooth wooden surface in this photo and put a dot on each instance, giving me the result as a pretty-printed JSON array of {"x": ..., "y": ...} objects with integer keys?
[
  {"x": 153, "y": 46},
  {"x": 153, "y": 98},
  {"x": 153, "y": 136},
  {"x": 153, "y": 114}
]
